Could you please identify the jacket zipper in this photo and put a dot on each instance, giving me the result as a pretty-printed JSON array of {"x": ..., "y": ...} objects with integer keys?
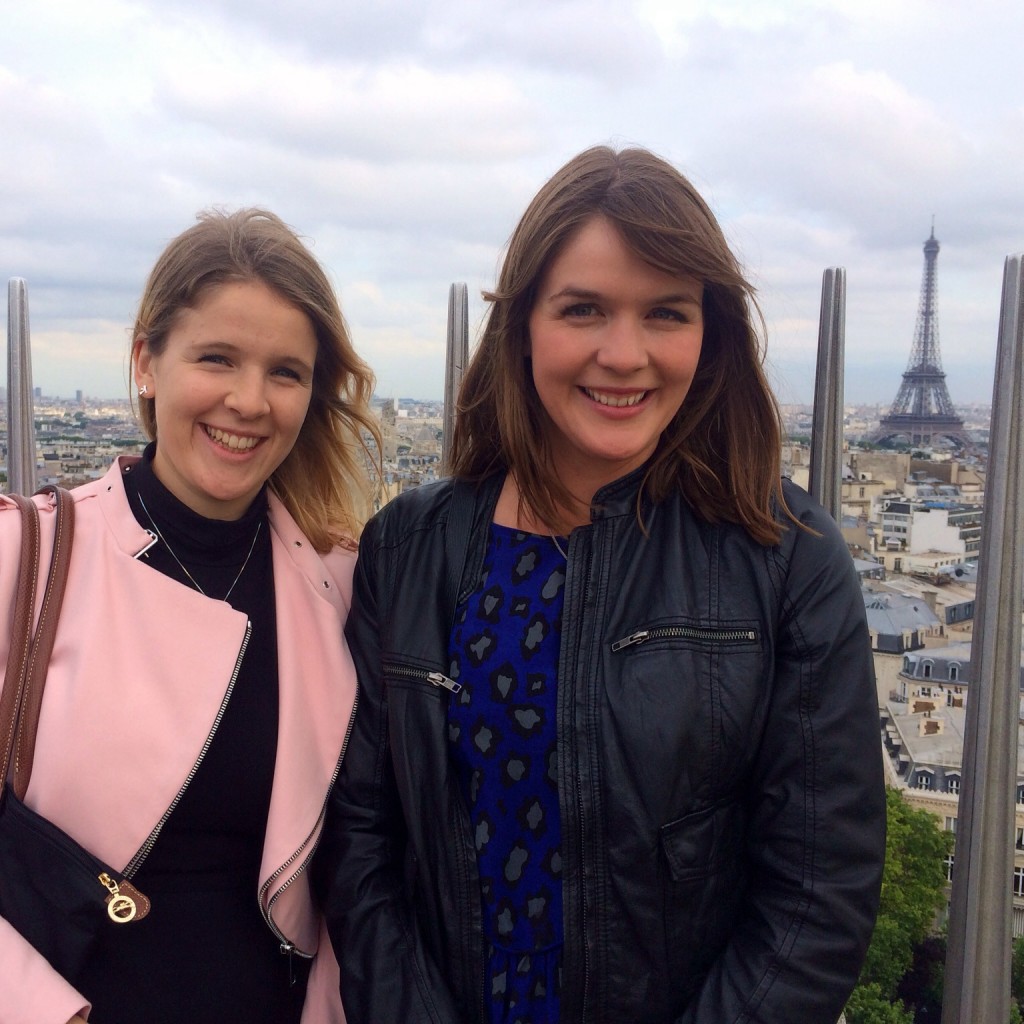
[
  {"x": 580, "y": 808},
  {"x": 287, "y": 947},
  {"x": 441, "y": 681},
  {"x": 700, "y": 633},
  {"x": 153, "y": 539},
  {"x": 465, "y": 865},
  {"x": 438, "y": 679},
  {"x": 136, "y": 862},
  {"x": 583, "y": 888}
]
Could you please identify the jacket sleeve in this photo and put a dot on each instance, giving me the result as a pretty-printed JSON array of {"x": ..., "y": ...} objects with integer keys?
[
  {"x": 386, "y": 973},
  {"x": 33, "y": 992},
  {"x": 816, "y": 836}
]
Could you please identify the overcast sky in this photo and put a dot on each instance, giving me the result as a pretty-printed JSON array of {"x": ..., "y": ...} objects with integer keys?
[{"x": 404, "y": 138}]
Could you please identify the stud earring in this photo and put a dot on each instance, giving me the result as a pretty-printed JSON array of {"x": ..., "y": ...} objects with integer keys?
[{"x": 143, "y": 391}]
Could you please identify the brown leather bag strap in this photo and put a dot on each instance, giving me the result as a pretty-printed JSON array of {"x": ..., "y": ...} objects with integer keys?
[
  {"x": 42, "y": 642},
  {"x": 21, "y": 631}
]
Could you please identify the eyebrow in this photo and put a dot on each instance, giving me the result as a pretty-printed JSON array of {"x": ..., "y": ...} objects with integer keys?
[
  {"x": 232, "y": 348},
  {"x": 574, "y": 292}
]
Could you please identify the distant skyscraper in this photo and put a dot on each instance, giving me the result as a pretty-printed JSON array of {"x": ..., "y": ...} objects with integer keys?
[
  {"x": 78, "y": 397},
  {"x": 389, "y": 430},
  {"x": 456, "y": 360},
  {"x": 922, "y": 411},
  {"x": 21, "y": 436}
]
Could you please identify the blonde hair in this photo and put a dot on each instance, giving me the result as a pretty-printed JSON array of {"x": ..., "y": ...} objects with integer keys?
[
  {"x": 324, "y": 481},
  {"x": 722, "y": 448}
]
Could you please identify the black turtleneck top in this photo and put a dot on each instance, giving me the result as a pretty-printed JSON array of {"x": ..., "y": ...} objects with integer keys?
[{"x": 204, "y": 953}]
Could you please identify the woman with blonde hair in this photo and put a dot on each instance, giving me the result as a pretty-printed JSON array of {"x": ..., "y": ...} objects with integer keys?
[
  {"x": 616, "y": 757},
  {"x": 199, "y": 691}
]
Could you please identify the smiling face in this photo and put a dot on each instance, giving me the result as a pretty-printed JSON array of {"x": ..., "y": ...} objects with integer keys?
[
  {"x": 231, "y": 388},
  {"x": 614, "y": 346}
]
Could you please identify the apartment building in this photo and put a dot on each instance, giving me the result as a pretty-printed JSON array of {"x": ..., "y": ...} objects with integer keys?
[{"x": 922, "y": 737}]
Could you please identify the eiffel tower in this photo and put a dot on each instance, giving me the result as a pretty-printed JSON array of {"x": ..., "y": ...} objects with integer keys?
[{"x": 922, "y": 411}]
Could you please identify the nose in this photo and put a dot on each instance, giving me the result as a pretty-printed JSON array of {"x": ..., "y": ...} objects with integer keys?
[
  {"x": 623, "y": 347},
  {"x": 247, "y": 395}
]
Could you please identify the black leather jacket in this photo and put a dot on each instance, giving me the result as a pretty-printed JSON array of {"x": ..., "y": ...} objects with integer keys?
[{"x": 720, "y": 778}]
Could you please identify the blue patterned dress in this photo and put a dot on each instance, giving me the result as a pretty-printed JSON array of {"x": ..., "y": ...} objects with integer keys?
[{"x": 501, "y": 726}]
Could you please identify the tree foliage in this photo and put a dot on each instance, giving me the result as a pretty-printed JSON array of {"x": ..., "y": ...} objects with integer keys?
[
  {"x": 869, "y": 1005},
  {"x": 921, "y": 986},
  {"x": 1017, "y": 972},
  {"x": 913, "y": 892}
]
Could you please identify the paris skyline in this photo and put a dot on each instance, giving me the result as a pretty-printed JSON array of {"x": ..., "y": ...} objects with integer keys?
[{"x": 405, "y": 139}]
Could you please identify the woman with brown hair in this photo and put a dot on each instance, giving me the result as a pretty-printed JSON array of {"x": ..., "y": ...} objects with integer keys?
[
  {"x": 616, "y": 753},
  {"x": 199, "y": 692}
]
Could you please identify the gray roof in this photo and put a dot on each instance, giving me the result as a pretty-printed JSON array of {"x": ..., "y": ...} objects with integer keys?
[
  {"x": 942, "y": 749},
  {"x": 940, "y": 658},
  {"x": 938, "y": 750},
  {"x": 893, "y": 614}
]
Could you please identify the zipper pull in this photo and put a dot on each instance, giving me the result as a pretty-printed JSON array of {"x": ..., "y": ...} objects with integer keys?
[
  {"x": 288, "y": 949},
  {"x": 442, "y": 680},
  {"x": 634, "y": 638},
  {"x": 120, "y": 908}
]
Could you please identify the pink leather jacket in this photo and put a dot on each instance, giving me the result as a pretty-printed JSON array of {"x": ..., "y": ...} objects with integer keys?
[{"x": 139, "y": 671}]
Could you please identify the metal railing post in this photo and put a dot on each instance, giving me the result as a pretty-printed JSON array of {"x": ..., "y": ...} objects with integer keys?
[
  {"x": 827, "y": 423},
  {"x": 977, "y": 974},
  {"x": 21, "y": 434},
  {"x": 456, "y": 358}
]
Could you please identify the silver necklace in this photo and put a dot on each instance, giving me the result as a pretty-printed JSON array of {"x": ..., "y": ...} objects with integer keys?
[
  {"x": 554, "y": 540},
  {"x": 192, "y": 579}
]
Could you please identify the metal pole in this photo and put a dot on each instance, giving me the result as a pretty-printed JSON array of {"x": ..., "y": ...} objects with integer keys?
[
  {"x": 977, "y": 974},
  {"x": 827, "y": 429},
  {"x": 455, "y": 361},
  {"x": 21, "y": 435}
]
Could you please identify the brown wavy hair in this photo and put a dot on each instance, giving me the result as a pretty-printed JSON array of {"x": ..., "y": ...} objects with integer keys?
[
  {"x": 324, "y": 481},
  {"x": 723, "y": 446}
]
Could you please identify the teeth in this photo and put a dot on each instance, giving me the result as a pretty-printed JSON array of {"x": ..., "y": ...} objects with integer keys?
[
  {"x": 616, "y": 401},
  {"x": 233, "y": 441}
]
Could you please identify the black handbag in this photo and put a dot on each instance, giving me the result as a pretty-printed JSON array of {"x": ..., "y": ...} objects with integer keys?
[{"x": 52, "y": 890}]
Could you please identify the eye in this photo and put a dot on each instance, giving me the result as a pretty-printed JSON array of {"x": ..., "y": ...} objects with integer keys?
[
  {"x": 287, "y": 373},
  {"x": 666, "y": 313},
  {"x": 214, "y": 357},
  {"x": 580, "y": 309}
]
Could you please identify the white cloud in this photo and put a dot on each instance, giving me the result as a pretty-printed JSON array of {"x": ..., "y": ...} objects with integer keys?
[
  {"x": 405, "y": 139},
  {"x": 381, "y": 114}
]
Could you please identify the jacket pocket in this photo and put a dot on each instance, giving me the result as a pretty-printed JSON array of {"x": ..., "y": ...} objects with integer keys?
[
  {"x": 684, "y": 703},
  {"x": 704, "y": 892},
  {"x": 738, "y": 635},
  {"x": 704, "y": 843}
]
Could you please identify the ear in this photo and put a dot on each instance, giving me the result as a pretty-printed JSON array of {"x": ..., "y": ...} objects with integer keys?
[{"x": 142, "y": 362}]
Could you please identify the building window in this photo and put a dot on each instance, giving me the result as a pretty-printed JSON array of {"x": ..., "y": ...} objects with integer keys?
[
  {"x": 924, "y": 780},
  {"x": 924, "y": 691},
  {"x": 951, "y": 825},
  {"x": 954, "y": 673},
  {"x": 953, "y": 784},
  {"x": 948, "y": 859},
  {"x": 926, "y": 669},
  {"x": 1020, "y": 838},
  {"x": 1018, "y": 881}
]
